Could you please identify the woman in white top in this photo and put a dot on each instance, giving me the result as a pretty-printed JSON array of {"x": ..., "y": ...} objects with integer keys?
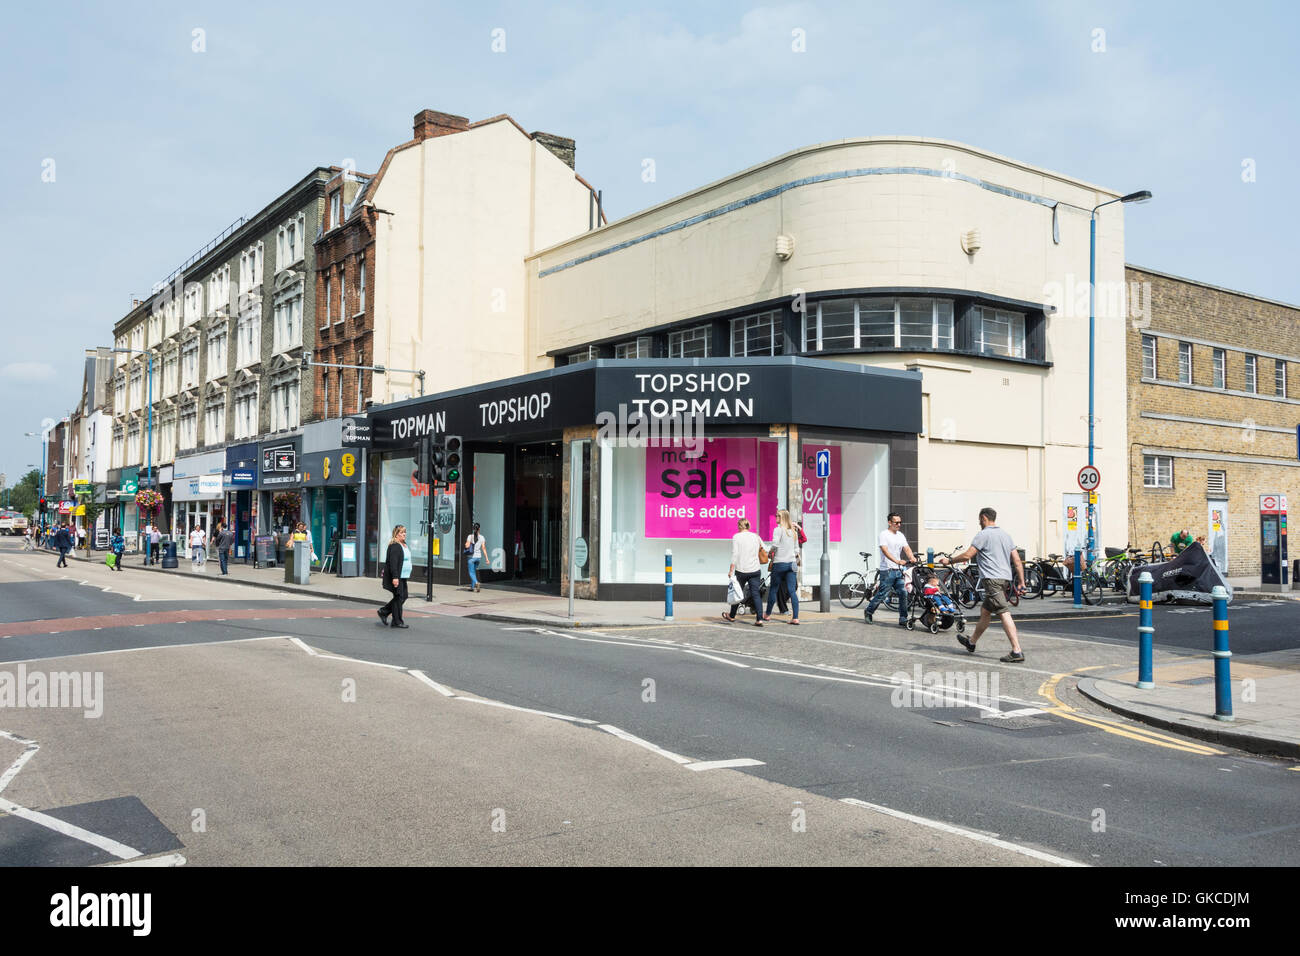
[
  {"x": 475, "y": 551},
  {"x": 785, "y": 558},
  {"x": 747, "y": 570}
]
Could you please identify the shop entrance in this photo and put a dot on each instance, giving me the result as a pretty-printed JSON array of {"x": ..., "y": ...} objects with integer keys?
[{"x": 535, "y": 555}]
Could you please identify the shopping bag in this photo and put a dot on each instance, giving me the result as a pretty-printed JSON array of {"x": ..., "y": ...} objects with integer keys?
[
  {"x": 735, "y": 593},
  {"x": 111, "y": 559}
]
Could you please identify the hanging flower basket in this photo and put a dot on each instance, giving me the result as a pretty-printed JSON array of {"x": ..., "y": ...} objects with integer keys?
[
  {"x": 148, "y": 500},
  {"x": 287, "y": 502}
]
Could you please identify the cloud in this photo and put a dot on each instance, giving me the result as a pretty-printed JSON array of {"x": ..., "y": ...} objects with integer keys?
[{"x": 28, "y": 371}]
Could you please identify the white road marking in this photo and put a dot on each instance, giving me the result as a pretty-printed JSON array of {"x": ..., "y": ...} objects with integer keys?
[
  {"x": 357, "y": 660},
  {"x": 653, "y": 748},
  {"x": 304, "y": 647},
  {"x": 1023, "y": 712},
  {"x": 107, "y": 844},
  {"x": 31, "y": 745},
  {"x": 154, "y": 647},
  {"x": 425, "y": 679},
  {"x": 722, "y": 764},
  {"x": 526, "y": 710},
  {"x": 171, "y": 859},
  {"x": 961, "y": 831},
  {"x": 720, "y": 660}
]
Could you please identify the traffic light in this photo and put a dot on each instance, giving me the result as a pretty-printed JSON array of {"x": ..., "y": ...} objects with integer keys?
[
  {"x": 452, "y": 444},
  {"x": 44, "y": 506},
  {"x": 438, "y": 462}
]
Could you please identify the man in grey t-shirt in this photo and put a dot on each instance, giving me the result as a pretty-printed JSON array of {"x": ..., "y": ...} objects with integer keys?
[{"x": 996, "y": 554}]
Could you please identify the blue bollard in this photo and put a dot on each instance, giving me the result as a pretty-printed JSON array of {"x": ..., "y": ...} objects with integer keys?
[
  {"x": 929, "y": 555},
  {"x": 1146, "y": 632},
  {"x": 668, "y": 585},
  {"x": 1078, "y": 577},
  {"x": 1222, "y": 656}
]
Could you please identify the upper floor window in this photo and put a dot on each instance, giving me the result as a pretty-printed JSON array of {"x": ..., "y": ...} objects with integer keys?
[
  {"x": 1185, "y": 363},
  {"x": 287, "y": 333},
  {"x": 690, "y": 343},
  {"x": 343, "y": 294},
  {"x": 1000, "y": 332},
  {"x": 217, "y": 352},
  {"x": 757, "y": 335},
  {"x": 336, "y": 204},
  {"x": 1157, "y": 471},
  {"x": 155, "y": 328},
  {"x": 361, "y": 287},
  {"x": 1148, "y": 356},
  {"x": 289, "y": 244},
  {"x": 878, "y": 323},
  {"x": 637, "y": 348},
  {"x": 329, "y": 299},
  {"x": 219, "y": 290},
  {"x": 1279, "y": 377},
  {"x": 1252, "y": 379},
  {"x": 250, "y": 269},
  {"x": 1219, "y": 359},
  {"x": 584, "y": 355},
  {"x": 214, "y": 421},
  {"x": 190, "y": 363},
  {"x": 193, "y": 302},
  {"x": 246, "y": 411},
  {"x": 248, "y": 338},
  {"x": 171, "y": 317}
]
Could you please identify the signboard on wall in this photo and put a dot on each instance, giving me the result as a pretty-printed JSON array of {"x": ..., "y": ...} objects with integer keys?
[
  {"x": 702, "y": 496},
  {"x": 812, "y": 487}
]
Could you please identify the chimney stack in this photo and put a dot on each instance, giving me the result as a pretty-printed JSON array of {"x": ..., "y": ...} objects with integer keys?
[
  {"x": 430, "y": 123},
  {"x": 561, "y": 146}
]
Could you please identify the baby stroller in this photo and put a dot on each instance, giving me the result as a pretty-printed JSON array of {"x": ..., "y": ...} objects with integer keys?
[
  {"x": 747, "y": 605},
  {"x": 935, "y": 610}
]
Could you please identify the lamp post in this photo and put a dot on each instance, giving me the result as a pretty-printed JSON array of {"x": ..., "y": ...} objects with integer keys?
[
  {"x": 1140, "y": 196},
  {"x": 148, "y": 468}
]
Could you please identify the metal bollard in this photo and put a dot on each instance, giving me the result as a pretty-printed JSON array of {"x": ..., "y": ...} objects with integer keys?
[
  {"x": 668, "y": 585},
  {"x": 929, "y": 555},
  {"x": 1146, "y": 632},
  {"x": 1222, "y": 656},
  {"x": 1078, "y": 577}
]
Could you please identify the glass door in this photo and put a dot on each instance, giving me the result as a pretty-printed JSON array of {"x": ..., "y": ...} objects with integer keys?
[{"x": 537, "y": 551}]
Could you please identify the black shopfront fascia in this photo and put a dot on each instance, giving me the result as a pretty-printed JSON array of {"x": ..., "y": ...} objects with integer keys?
[{"x": 733, "y": 396}]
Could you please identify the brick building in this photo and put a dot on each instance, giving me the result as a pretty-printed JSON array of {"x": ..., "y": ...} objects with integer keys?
[{"x": 1211, "y": 414}]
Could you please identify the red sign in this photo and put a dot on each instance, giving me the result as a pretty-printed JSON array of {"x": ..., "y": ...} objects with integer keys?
[{"x": 1272, "y": 504}]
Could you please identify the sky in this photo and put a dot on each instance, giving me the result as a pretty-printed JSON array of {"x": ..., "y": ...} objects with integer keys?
[{"x": 133, "y": 133}]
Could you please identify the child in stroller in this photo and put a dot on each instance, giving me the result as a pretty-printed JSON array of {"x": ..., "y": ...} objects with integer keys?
[{"x": 931, "y": 603}]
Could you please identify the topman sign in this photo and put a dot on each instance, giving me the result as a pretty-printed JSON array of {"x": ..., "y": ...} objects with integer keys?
[{"x": 417, "y": 426}]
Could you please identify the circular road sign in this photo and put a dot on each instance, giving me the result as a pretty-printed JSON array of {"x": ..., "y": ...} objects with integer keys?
[{"x": 1089, "y": 478}]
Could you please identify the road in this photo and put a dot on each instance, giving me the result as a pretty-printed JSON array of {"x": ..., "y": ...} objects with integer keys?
[{"x": 240, "y": 708}]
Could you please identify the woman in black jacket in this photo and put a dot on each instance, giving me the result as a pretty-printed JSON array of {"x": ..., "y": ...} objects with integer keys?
[{"x": 396, "y": 570}]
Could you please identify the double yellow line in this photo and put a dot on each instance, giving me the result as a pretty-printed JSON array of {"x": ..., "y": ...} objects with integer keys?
[{"x": 1066, "y": 712}]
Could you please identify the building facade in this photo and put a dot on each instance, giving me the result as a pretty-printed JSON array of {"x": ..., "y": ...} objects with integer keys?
[
  {"x": 893, "y": 253},
  {"x": 1212, "y": 414}
]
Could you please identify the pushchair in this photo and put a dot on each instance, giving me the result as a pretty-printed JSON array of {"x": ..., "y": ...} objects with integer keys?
[
  {"x": 747, "y": 605},
  {"x": 936, "y": 611}
]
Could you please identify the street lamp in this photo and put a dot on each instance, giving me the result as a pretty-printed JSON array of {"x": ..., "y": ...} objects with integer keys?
[
  {"x": 1141, "y": 195},
  {"x": 148, "y": 472}
]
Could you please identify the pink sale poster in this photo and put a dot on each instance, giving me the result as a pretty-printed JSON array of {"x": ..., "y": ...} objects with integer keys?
[
  {"x": 704, "y": 496},
  {"x": 812, "y": 486}
]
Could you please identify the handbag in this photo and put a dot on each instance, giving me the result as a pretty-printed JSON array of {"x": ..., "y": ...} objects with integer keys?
[
  {"x": 469, "y": 549},
  {"x": 762, "y": 555}
]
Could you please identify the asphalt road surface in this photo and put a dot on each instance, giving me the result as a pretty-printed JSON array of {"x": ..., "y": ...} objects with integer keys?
[{"x": 238, "y": 710}]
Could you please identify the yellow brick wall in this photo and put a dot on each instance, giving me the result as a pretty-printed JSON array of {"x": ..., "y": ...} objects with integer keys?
[{"x": 1240, "y": 324}]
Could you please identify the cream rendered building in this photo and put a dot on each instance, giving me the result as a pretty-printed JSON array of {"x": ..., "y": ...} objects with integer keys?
[
  {"x": 460, "y": 207},
  {"x": 903, "y": 253}
]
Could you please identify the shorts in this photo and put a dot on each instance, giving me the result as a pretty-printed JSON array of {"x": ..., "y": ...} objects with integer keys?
[{"x": 995, "y": 595}]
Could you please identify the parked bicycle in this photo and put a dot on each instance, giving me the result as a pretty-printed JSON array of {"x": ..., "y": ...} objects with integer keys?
[{"x": 855, "y": 588}]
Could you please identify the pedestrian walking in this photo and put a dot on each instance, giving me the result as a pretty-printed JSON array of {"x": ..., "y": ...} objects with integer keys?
[
  {"x": 223, "y": 537},
  {"x": 396, "y": 571},
  {"x": 198, "y": 547},
  {"x": 117, "y": 547},
  {"x": 786, "y": 557},
  {"x": 63, "y": 542},
  {"x": 894, "y": 556},
  {"x": 475, "y": 551},
  {"x": 29, "y": 540},
  {"x": 747, "y": 557},
  {"x": 81, "y": 538},
  {"x": 995, "y": 554},
  {"x": 155, "y": 544}
]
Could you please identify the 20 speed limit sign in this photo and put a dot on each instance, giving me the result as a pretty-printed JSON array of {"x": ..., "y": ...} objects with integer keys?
[{"x": 1089, "y": 478}]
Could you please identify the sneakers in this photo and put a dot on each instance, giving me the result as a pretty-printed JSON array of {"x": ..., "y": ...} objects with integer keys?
[
  {"x": 867, "y": 615},
  {"x": 1015, "y": 657},
  {"x": 967, "y": 643}
]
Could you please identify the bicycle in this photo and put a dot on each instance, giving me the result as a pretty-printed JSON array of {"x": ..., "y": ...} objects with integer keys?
[
  {"x": 854, "y": 588},
  {"x": 1042, "y": 574}
]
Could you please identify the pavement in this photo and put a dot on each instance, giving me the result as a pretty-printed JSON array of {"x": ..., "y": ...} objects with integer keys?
[{"x": 1182, "y": 700}]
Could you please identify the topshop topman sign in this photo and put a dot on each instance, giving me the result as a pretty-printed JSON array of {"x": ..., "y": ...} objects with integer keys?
[{"x": 789, "y": 390}]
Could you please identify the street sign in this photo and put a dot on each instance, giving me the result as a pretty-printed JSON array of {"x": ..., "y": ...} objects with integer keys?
[
  {"x": 1272, "y": 504},
  {"x": 1089, "y": 478},
  {"x": 824, "y": 463},
  {"x": 1092, "y": 497}
]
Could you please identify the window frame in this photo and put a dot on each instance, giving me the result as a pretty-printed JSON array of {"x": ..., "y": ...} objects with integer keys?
[
  {"x": 776, "y": 328},
  {"x": 1219, "y": 367},
  {"x": 1185, "y": 353},
  {"x": 1252, "y": 374},
  {"x": 1149, "y": 340},
  {"x": 1279, "y": 377},
  {"x": 1156, "y": 471},
  {"x": 678, "y": 339}
]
